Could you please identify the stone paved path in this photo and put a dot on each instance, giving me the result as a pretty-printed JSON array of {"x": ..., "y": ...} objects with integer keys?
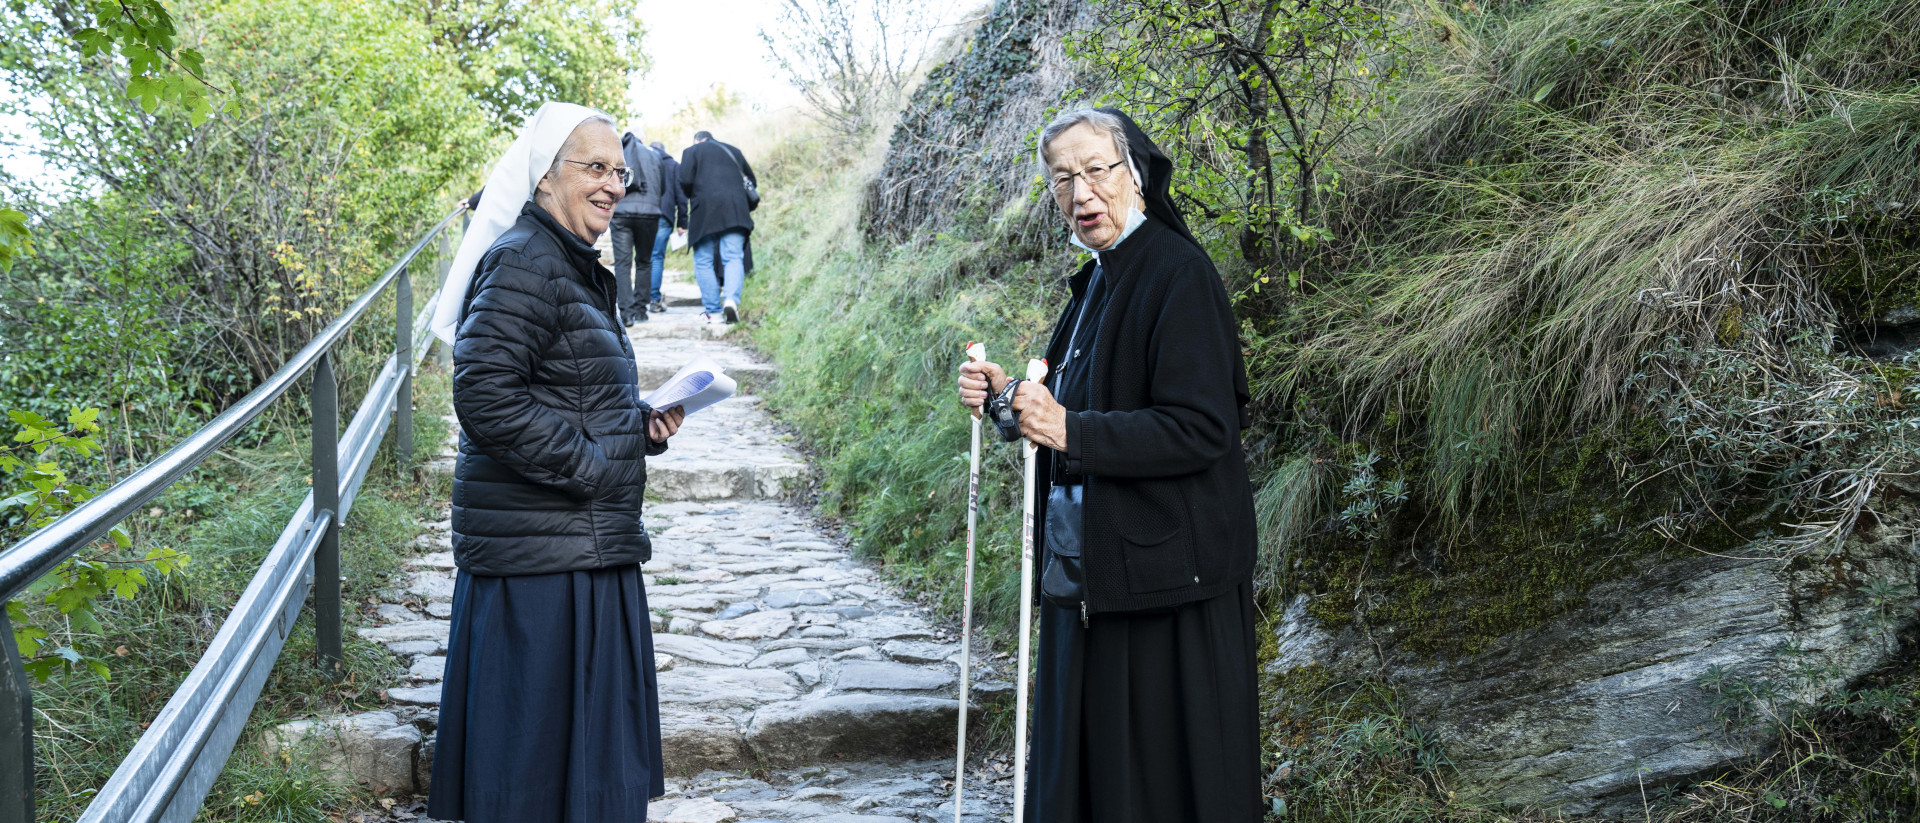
[{"x": 794, "y": 684}]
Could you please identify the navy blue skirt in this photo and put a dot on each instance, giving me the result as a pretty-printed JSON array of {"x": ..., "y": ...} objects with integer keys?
[{"x": 549, "y": 712}]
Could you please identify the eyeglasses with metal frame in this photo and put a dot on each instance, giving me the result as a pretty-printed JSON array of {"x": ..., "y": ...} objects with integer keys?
[
  {"x": 1095, "y": 175},
  {"x": 597, "y": 171}
]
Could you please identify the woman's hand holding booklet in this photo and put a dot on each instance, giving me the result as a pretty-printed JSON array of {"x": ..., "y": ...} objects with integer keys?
[{"x": 700, "y": 384}]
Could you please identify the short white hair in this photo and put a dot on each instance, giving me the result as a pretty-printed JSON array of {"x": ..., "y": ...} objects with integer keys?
[{"x": 1100, "y": 121}]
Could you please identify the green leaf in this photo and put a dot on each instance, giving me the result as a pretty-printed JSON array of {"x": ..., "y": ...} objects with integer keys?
[
  {"x": 128, "y": 583},
  {"x": 15, "y": 239},
  {"x": 141, "y": 59},
  {"x": 99, "y": 667},
  {"x": 93, "y": 42},
  {"x": 191, "y": 60},
  {"x": 146, "y": 90},
  {"x": 26, "y": 639},
  {"x": 1545, "y": 89},
  {"x": 83, "y": 419},
  {"x": 42, "y": 670},
  {"x": 31, "y": 420},
  {"x": 201, "y": 110},
  {"x": 69, "y": 600}
]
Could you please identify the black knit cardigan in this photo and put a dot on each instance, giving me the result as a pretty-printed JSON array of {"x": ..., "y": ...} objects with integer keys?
[{"x": 1168, "y": 506}]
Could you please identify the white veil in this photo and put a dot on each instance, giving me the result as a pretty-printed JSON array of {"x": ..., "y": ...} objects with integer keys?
[{"x": 509, "y": 186}]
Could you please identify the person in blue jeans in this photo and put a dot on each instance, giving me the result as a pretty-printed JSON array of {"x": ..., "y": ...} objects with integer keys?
[
  {"x": 673, "y": 214},
  {"x": 720, "y": 297},
  {"x": 714, "y": 175}
]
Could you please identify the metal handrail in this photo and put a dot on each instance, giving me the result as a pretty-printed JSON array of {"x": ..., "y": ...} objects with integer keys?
[
  {"x": 168, "y": 772},
  {"x": 32, "y": 558}
]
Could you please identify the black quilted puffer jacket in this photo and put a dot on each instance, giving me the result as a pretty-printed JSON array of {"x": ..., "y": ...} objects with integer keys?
[{"x": 553, "y": 435}]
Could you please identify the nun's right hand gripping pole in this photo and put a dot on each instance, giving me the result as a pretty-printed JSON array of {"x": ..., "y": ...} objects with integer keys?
[
  {"x": 1036, "y": 370},
  {"x": 976, "y": 353}
]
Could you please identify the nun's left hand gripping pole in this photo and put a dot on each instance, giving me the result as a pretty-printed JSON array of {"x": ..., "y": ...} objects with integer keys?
[
  {"x": 1036, "y": 370},
  {"x": 976, "y": 353}
]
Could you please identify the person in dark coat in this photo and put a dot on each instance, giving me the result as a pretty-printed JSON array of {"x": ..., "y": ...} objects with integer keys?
[
  {"x": 713, "y": 175},
  {"x": 549, "y": 710},
  {"x": 636, "y": 221},
  {"x": 1146, "y": 706},
  {"x": 673, "y": 216}
]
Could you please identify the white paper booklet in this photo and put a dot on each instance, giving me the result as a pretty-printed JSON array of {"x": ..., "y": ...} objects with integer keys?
[{"x": 701, "y": 384}]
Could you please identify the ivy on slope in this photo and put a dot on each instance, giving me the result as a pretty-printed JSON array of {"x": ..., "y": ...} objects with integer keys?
[{"x": 963, "y": 144}]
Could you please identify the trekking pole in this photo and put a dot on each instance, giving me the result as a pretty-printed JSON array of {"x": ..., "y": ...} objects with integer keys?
[
  {"x": 976, "y": 353},
  {"x": 1036, "y": 370}
]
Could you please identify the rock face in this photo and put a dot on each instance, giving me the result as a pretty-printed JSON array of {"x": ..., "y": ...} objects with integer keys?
[
  {"x": 1579, "y": 712},
  {"x": 374, "y": 750}
]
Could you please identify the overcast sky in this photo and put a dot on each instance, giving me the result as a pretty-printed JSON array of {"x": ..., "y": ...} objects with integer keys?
[
  {"x": 695, "y": 44},
  {"x": 698, "y": 43}
]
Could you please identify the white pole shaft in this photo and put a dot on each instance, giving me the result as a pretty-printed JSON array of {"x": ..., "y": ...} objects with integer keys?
[
  {"x": 966, "y": 622},
  {"x": 1026, "y": 638}
]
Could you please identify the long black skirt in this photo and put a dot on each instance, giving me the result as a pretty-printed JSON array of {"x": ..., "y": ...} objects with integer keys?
[
  {"x": 1148, "y": 718},
  {"x": 549, "y": 712}
]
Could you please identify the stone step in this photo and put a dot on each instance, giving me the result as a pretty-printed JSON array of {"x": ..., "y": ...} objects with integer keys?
[
  {"x": 678, "y": 324},
  {"x": 714, "y": 480},
  {"x": 837, "y": 727},
  {"x": 727, "y": 451}
]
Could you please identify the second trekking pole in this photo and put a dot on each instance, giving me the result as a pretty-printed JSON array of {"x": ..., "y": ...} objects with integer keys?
[
  {"x": 976, "y": 353},
  {"x": 1036, "y": 370}
]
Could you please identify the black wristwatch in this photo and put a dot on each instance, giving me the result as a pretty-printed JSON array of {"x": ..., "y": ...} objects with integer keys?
[{"x": 1000, "y": 410}]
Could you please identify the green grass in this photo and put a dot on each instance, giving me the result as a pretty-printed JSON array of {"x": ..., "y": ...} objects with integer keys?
[{"x": 226, "y": 516}]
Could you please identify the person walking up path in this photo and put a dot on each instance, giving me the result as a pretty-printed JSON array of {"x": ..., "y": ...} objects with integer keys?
[
  {"x": 635, "y": 227},
  {"x": 714, "y": 176},
  {"x": 673, "y": 217}
]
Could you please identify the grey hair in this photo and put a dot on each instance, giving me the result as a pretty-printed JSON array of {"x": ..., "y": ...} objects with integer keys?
[
  {"x": 573, "y": 142},
  {"x": 1100, "y": 121}
]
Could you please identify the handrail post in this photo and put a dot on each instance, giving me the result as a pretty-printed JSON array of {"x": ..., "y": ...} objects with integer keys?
[
  {"x": 16, "y": 730},
  {"x": 326, "y": 498},
  {"x": 403, "y": 358}
]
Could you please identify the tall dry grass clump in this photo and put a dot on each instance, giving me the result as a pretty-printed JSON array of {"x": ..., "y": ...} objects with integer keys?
[{"x": 1573, "y": 186}]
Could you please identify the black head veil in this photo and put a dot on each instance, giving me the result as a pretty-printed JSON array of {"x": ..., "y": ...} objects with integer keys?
[{"x": 1158, "y": 192}]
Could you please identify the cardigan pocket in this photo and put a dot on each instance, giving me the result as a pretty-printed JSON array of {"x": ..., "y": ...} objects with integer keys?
[
  {"x": 1159, "y": 553},
  {"x": 1164, "y": 564}
]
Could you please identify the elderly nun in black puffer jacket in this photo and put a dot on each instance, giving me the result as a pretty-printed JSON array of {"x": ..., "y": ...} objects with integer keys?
[{"x": 548, "y": 710}]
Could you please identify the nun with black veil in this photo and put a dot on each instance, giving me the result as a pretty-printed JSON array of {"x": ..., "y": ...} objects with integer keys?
[
  {"x": 1146, "y": 704},
  {"x": 549, "y": 710}
]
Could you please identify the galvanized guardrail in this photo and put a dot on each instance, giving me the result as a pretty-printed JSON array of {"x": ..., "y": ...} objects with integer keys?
[{"x": 170, "y": 769}]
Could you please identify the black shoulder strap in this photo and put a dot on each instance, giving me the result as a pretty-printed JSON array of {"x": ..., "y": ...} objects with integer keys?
[{"x": 734, "y": 157}]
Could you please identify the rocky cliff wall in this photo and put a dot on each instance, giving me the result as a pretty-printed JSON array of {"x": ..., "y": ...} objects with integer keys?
[{"x": 1641, "y": 686}]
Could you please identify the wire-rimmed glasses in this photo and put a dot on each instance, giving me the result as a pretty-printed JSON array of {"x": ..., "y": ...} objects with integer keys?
[{"x": 597, "y": 171}]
